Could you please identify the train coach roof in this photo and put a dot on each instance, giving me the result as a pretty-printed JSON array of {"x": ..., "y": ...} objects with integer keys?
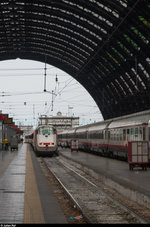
[
  {"x": 127, "y": 123},
  {"x": 131, "y": 120},
  {"x": 93, "y": 127},
  {"x": 100, "y": 126},
  {"x": 67, "y": 131},
  {"x": 71, "y": 130},
  {"x": 82, "y": 128}
]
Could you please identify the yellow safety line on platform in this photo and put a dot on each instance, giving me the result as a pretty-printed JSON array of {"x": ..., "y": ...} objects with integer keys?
[{"x": 32, "y": 206}]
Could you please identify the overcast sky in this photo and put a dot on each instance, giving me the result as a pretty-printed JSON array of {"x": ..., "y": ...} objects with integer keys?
[{"x": 22, "y": 93}]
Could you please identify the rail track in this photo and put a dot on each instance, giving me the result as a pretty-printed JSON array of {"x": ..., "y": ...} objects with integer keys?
[{"x": 95, "y": 204}]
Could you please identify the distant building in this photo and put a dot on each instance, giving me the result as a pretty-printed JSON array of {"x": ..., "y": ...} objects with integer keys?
[
  {"x": 28, "y": 129},
  {"x": 59, "y": 121}
]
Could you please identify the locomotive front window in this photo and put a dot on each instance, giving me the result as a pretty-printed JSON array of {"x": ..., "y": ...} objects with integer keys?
[{"x": 46, "y": 131}]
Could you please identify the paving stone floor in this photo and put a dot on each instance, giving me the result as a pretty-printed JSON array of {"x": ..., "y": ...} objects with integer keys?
[{"x": 12, "y": 188}]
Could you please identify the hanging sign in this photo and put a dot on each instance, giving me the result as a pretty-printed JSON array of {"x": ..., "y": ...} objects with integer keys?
[
  {"x": 8, "y": 121},
  {"x": 3, "y": 117},
  {"x": 11, "y": 124}
]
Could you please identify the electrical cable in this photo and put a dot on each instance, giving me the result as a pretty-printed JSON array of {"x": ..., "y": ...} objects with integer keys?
[
  {"x": 18, "y": 94},
  {"x": 25, "y": 69}
]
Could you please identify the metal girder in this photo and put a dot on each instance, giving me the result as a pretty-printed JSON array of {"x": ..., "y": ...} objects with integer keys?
[{"x": 104, "y": 44}]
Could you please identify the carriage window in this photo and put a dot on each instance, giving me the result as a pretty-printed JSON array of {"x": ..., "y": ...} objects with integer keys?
[
  {"x": 140, "y": 133},
  {"x": 60, "y": 136},
  {"x": 82, "y": 135},
  {"x": 136, "y": 132},
  {"x": 124, "y": 134},
  {"x": 140, "y": 130},
  {"x": 46, "y": 131},
  {"x": 101, "y": 135},
  {"x": 121, "y": 135},
  {"x": 117, "y": 134},
  {"x": 144, "y": 136},
  {"x": 109, "y": 135},
  {"x": 105, "y": 132},
  {"x": 113, "y": 135}
]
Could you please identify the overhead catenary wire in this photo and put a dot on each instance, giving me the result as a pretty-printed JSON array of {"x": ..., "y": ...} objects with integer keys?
[
  {"x": 23, "y": 69},
  {"x": 24, "y": 93},
  {"x": 64, "y": 85},
  {"x": 33, "y": 93}
]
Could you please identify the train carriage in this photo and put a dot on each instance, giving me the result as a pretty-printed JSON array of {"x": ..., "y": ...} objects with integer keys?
[
  {"x": 122, "y": 131},
  {"x": 111, "y": 137},
  {"x": 96, "y": 137},
  {"x": 81, "y": 136}
]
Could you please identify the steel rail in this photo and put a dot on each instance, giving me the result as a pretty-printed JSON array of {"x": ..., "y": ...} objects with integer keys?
[
  {"x": 129, "y": 210},
  {"x": 143, "y": 220},
  {"x": 69, "y": 194}
]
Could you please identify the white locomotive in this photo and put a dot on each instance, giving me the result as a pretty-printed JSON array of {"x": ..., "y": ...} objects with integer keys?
[
  {"x": 110, "y": 137},
  {"x": 44, "y": 140}
]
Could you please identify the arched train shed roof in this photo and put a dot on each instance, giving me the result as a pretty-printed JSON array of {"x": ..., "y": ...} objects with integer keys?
[{"x": 104, "y": 44}]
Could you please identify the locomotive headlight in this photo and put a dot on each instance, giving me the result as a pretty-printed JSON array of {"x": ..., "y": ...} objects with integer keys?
[{"x": 48, "y": 144}]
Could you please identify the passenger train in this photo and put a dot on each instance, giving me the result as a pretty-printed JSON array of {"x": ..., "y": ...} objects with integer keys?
[
  {"x": 110, "y": 137},
  {"x": 44, "y": 140}
]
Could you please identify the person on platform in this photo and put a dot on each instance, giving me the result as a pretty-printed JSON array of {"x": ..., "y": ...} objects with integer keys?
[{"x": 5, "y": 142}]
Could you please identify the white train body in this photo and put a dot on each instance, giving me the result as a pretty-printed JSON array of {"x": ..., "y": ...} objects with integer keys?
[
  {"x": 44, "y": 140},
  {"x": 110, "y": 137}
]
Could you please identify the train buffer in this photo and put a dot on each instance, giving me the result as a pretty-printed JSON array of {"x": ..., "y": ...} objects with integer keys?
[
  {"x": 138, "y": 155},
  {"x": 74, "y": 145}
]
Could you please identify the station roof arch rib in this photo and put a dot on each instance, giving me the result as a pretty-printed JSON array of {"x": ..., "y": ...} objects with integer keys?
[{"x": 104, "y": 44}]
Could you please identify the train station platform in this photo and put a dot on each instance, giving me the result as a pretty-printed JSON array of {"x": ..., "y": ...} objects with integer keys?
[
  {"x": 25, "y": 195},
  {"x": 134, "y": 185}
]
